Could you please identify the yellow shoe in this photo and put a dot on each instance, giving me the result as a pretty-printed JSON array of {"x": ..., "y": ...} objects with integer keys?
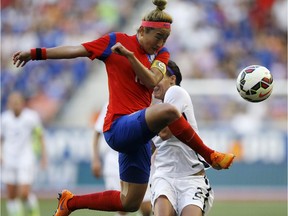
[
  {"x": 62, "y": 209},
  {"x": 221, "y": 160}
]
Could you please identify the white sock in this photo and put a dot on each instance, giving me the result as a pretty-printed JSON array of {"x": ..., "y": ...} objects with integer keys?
[
  {"x": 14, "y": 207},
  {"x": 32, "y": 204}
]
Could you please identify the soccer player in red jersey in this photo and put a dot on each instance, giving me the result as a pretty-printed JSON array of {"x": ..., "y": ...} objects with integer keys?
[{"x": 135, "y": 65}]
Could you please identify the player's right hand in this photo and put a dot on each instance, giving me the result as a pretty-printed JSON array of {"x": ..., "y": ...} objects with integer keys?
[
  {"x": 21, "y": 58},
  {"x": 119, "y": 49}
]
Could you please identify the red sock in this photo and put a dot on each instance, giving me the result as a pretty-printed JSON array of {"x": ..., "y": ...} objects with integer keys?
[
  {"x": 186, "y": 134},
  {"x": 102, "y": 201}
]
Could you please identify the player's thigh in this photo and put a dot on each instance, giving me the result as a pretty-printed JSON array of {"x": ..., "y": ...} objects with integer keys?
[
  {"x": 128, "y": 132},
  {"x": 24, "y": 190},
  {"x": 160, "y": 115},
  {"x": 25, "y": 180},
  {"x": 9, "y": 178},
  {"x": 163, "y": 207},
  {"x": 192, "y": 210},
  {"x": 17, "y": 180},
  {"x": 12, "y": 191},
  {"x": 163, "y": 195},
  {"x": 145, "y": 208},
  {"x": 196, "y": 191},
  {"x": 132, "y": 195}
]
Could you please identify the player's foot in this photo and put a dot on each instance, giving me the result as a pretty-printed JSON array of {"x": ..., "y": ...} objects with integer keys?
[
  {"x": 62, "y": 209},
  {"x": 221, "y": 160}
]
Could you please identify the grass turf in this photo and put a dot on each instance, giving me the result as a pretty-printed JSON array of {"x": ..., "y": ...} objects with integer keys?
[{"x": 220, "y": 208}]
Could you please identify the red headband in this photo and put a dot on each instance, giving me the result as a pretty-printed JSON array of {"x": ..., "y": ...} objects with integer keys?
[{"x": 152, "y": 24}]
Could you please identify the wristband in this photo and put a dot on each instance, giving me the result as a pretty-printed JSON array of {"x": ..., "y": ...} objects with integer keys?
[
  {"x": 159, "y": 65},
  {"x": 38, "y": 54}
]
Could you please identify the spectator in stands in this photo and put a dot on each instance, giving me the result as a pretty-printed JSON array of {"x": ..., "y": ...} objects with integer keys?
[{"x": 234, "y": 43}]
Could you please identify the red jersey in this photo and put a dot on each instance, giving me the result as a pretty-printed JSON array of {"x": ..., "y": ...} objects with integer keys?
[{"x": 126, "y": 93}]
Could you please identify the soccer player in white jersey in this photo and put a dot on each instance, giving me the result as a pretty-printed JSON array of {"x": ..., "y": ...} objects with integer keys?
[
  {"x": 102, "y": 152},
  {"x": 21, "y": 132},
  {"x": 179, "y": 185}
]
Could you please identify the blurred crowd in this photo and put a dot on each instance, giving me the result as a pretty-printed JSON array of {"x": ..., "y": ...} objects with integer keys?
[
  {"x": 210, "y": 39},
  {"x": 217, "y": 38},
  {"x": 47, "y": 23}
]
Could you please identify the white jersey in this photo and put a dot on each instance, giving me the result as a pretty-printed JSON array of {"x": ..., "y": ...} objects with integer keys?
[
  {"x": 175, "y": 163},
  {"x": 174, "y": 158},
  {"x": 17, "y": 135}
]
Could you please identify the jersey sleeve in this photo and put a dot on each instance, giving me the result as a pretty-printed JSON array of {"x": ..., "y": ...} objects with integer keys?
[
  {"x": 177, "y": 96},
  {"x": 101, "y": 47},
  {"x": 163, "y": 55},
  {"x": 180, "y": 98}
]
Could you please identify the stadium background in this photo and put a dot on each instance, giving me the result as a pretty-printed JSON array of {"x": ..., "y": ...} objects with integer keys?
[{"x": 211, "y": 41}]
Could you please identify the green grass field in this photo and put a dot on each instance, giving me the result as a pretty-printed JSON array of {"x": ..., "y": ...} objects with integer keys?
[{"x": 220, "y": 208}]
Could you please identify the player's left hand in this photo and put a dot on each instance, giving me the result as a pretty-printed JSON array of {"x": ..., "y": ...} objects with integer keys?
[{"x": 21, "y": 58}]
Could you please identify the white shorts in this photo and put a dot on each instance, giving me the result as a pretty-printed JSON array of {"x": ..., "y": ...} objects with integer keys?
[
  {"x": 147, "y": 196},
  {"x": 181, "y": 192},
  {"x": 17, "y": 175}
]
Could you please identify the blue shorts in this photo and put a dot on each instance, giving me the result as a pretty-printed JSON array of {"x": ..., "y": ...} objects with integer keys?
[{"x": 130, "y": 136}]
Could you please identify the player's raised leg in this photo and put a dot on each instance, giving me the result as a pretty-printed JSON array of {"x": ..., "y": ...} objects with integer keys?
[{"x": 160, "y": 115}]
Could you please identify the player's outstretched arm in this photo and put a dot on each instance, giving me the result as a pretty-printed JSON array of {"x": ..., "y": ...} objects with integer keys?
[{"x": 20, "y": 58}]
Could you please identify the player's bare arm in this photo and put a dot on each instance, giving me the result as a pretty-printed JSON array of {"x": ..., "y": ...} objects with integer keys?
[
  {"x": 44, "y": 159},
  {"x": 150, "y": 78},
  {"x": 96, "y": 164},
  {"x": 63, "y": 52}
]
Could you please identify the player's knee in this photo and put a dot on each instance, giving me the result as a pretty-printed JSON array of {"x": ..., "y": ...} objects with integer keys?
[
  {"x": 170, "y": 111},
  {"x": 132, "y": 206},
  {"x": 146, "y": 208},
  {"x": 24, "y": 197}
]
